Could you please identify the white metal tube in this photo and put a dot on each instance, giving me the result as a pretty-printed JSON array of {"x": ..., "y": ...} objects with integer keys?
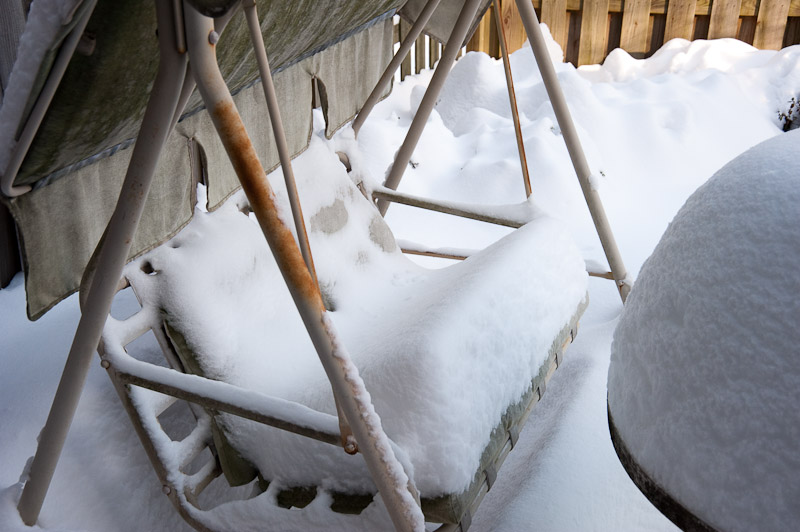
[
  {"x": 567, "y": 126},
  {"x": 394, "y": 64},
  {"x": 114, "y": 252},
  {"x": 449, "y": 54}
]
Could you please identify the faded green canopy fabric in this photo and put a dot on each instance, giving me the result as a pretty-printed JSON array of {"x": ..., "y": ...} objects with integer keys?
[{"x": 79, "y": 156}]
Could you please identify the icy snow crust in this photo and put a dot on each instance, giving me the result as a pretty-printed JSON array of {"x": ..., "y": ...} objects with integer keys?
[
  {"x": 443, "y": 353},
  {"x": 704, "y": 383}
]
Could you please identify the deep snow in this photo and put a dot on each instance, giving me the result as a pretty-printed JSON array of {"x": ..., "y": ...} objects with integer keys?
[{"x": 653, "y": 131}]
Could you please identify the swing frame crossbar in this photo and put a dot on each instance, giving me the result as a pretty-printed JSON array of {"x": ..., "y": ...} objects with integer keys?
[{"x": 187, "y": 37}]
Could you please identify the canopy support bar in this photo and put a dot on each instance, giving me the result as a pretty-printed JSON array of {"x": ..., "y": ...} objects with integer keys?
[
  {"x": 449, "y": 54},
  {"x": 113, "y": 254},
  {"x": 512, "y": 96},
  {"x": 388, "y": 74},
  {"x": 539, "y": 47},
  {"x": 388, "y": 474}
]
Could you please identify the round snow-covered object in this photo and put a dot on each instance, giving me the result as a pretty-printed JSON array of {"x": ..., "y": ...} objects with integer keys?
[{"x": 704, "y": 382}]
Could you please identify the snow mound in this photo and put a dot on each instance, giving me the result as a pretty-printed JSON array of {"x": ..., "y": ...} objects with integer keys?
[{"x": 704, "y": 382}]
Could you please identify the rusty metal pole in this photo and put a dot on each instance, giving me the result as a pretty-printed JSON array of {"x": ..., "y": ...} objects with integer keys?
[
  {"x": 273, "y": 108},
  {"x": 374, "y": 445},
  {"x": 550, "y": 79},
  {"x": 512, "y": 97},
  {"x": 449, "y": 54},
  {"x": 111, "y": 259},
  {"x": 394, "y": 64}
]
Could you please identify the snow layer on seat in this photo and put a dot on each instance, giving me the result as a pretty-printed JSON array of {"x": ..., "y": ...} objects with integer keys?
[{"x": 442, "y": 352}]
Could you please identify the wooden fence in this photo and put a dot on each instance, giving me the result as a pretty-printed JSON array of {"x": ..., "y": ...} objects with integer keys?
[{"x": 588, "y": 30}]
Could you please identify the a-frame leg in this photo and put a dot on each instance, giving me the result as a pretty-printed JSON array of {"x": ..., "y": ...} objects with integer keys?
[
  {"x": 111, "y": 259},
  {"x": 386, "y": 471},
  {"x": 512, "y": 96},
  {"x": 449, "y": 54},
  {"x": 567, "y": 126},
  {"x": 394, "y": 64}
]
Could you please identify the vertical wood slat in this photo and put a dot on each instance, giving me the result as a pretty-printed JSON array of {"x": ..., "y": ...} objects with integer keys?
[
  {"x": 792, "y": 35},
  {"x": 419, "y": 54},
  {"x": 554, "y": 14},
  {"x": 405, "y": 66},
  {"x": 433, "y": 52},
  {"x": 512, "y": 25},
  {"x": 724, "y": 19},
  {"x": 485, "y": 37},
  {"x": 594, "y": 26},
  {"x": 635, "y": 24},
  {"x": 771, "y": 24},
  {"x": 680, "y": 19}
]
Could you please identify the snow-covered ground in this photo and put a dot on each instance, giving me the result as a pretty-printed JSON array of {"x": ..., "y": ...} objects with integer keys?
[{"x": 653, "y": 131}]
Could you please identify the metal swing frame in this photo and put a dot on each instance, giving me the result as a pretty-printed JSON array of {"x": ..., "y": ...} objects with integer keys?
[{"x": 185, "y": 32}]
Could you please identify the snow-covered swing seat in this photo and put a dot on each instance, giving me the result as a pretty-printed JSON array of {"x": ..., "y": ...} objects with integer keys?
[{"x": 451, "y": 360}]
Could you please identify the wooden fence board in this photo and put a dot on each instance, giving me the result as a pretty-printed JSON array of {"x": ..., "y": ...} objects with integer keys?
[
  {"x": 587, "y": 30},
  {"x": 573, "y": 37},
  {"x": 771, "y": 24},
  {"x": 594, "y": 31},
  {"x": 792, "y": 35},
  {"x": 419, "y": 54},
  {"x": 659, "y": 7},
  {"x": 724, "y": 19},
  {"x": 434, "y": 53},
  {"x": 554, "y": 14},
  {"x": 485, "y": 37},
  {"x": 512, "y": 25},
  {"x": 405, "y": 66},
  {"x": 635, "y": 23},
  {"x": 680, "y": 19}
]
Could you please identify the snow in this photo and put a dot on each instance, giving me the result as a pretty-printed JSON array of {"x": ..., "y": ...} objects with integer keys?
[
  {"x": 707, "y": 345},
  {"x": 653, "y": 132}
]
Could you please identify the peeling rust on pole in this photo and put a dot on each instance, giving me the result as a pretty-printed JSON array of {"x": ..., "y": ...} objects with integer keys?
[{"x": 262, "y": 199}]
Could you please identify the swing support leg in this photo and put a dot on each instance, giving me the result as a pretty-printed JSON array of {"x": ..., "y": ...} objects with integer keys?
[
  {"x": 512, "y": 97},
  {"x": 386, "y": 471},
  {"x": 251, "y": 13},
  {"x": 113, "y": 254},
  {"x": 567, "y": 126},
  {"x": 401, "y": 54},
  {"x": 449, "y": 54},
  {"x": 277, "y": 130}
]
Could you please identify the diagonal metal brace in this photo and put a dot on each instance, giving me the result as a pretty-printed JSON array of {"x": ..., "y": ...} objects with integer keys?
[{"x": 374, "y": 445}]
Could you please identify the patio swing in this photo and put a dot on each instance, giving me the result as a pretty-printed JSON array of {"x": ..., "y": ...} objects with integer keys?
[{"x": 332, "y": 415}]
